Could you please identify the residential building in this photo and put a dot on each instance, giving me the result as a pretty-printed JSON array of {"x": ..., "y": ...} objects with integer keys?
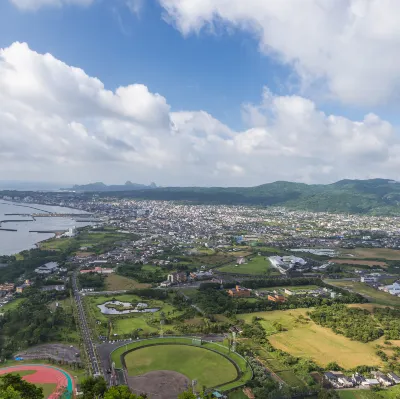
[
  {"x": 178, "y": 277},
  {"x": 394, "y": 377},
  {"x": 382, "y": 378},
  {"x": 48, "y": 268},
  {"x": 276, "y": 298},
  {"x": 239, "y": 292},
  {"x": 57, "y": 287},
  {"x": 20, "y": 289}
]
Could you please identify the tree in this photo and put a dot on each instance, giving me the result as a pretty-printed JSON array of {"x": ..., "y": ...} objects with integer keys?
[
  {"x": 11, "y": 384},
  {"x": 121, "y": 392},
  {"x": 10, "y": 393},
  {"x": 93, "y": 387},
  {"x": 327, "y": 394}
]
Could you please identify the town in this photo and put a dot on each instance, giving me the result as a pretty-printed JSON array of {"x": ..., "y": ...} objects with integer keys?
[{"x": 252, "y": 281}]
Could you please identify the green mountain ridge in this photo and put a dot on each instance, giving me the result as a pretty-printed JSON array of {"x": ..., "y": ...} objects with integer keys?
[{"x": 373, "y": 196}]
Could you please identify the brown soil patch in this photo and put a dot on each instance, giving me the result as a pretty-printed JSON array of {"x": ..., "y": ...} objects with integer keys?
[
  {"x": 161, "y": 384},
  {"x": 84, "y": 254},
  {"x": 359, "y": 262}
]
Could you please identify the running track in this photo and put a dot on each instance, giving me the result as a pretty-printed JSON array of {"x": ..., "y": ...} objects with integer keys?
[{"x": 44, "y": 375}]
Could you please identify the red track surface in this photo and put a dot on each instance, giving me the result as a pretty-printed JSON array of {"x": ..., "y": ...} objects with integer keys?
[{"x": 43, "y": 375}]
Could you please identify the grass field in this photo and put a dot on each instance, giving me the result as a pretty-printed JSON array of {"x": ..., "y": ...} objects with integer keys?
[
  {"x": 146, "y": 322},
  {"x": 308, "y": 340},
  {"x": 56, "y": 244},
  {"x": 11, "y": 305},
  {"x": 377, "y": 253},
  {"x": 391, "y": 393},
  {"x": 359, "y": 262},
  {"x": 115, "y": 282},
  {"x": 48, "y": 389},
  {"x": 376, "y": 296},
  {"x": 237, "y": 395},
  {"x": 209, "y": 368},
  {"x": 258, "y": 265}
]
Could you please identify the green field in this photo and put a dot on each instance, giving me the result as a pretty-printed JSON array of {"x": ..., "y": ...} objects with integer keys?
[
  {"x": 209, "y": 368},
  {"x": 115, "y": 282},
  {"x": 258, "y": 265},
  {"x": 129, "y": 323},
  {"x": 304, "y": 338},
  {"x": 241, "y": 363},
  {"x": 11, "y": 305},
  {"x": 56, "y": 244},
  {"x": 48, "y": 389},
  {"x": 371, "y": 253},
  {"x": 375, "y": 296},
  {"x": 390, "y": 393}
]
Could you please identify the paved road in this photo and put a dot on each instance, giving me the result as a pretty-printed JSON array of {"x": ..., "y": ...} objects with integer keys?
[
  {"x": 87, "y": 338},
  {"x": 105, "y": 292}
]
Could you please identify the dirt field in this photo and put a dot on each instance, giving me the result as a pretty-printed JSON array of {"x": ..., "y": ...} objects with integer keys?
[
  {"x": 53, "y": 351},
  {"x": 359, "y": 262},
  {"x": 159, "y": 384},
  {"x": 378, "y": 253},
  {"x": 116, "y": 282}
]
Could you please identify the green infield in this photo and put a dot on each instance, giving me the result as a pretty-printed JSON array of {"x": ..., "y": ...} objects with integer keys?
[
  {"x": 210, "y": 369},
  {"x": 210, "y": 363},
  {"x": 257, "y": 265}
]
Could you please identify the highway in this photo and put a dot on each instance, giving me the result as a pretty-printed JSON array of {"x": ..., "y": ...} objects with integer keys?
[{"x": 87, "y": 338}]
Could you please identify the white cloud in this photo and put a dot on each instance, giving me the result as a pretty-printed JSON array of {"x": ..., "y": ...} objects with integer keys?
[
  {"x": 36, "y": 4},
  {"x": 349, "y": 47},
  {"x": 58, "y": 123}
]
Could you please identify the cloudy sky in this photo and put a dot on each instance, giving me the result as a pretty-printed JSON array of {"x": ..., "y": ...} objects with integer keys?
[{"x": 199, "y": 92}]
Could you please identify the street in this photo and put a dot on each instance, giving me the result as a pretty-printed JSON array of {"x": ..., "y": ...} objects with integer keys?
[{"x": 87, "y": 338}]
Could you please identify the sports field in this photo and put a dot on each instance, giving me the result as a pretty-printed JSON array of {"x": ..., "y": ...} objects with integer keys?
[
  {"x": 375, "y": 296},
  {"x": 359, "y": 262},
  {"x": 258, "y": 265},
  {"x": 114, "y": 282},
  {"x": 56, "y": 383},
  {"x": 374, "y": 253},
  {"x": 306, "y": 339},
  {"x": 207, "y": 367},
  {"x": 183, "y": 356}
]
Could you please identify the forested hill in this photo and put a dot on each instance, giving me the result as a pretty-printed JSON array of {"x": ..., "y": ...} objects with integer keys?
[{"x": 375, "y": 196}]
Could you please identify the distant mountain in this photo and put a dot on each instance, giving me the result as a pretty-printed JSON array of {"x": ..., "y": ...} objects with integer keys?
[
  {"x": 19, "y": 185},
  {"x": 374, "y": 196},
  {"x": 101, "y": 187}
]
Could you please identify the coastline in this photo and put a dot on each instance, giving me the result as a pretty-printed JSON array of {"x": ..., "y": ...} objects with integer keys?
[{"x": 19, "y": 236}]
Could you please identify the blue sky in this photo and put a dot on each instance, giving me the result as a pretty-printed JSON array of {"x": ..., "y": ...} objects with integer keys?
[
  {"x": 207, "y": 62},
  {"x": 213, "y": 73}
]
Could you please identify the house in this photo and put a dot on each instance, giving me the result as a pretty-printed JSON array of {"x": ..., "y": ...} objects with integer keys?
[
  {"x": 98, "y": 270},
  {"x": 393, "y": 289},
  {"x": 357, "y": 379},
  {"x": 382, "y": 378},
  {"x": 370, "y": 382},
  {"x": 7, "y": 287},
  {"x": 394, "y": 377},
  {"x": 20, "y": 289},
  {"x": 239, "y": 292},
  {"x": 56, "y": 287},
  {"x": 177, "y": 277},
  {"x": 338, "y": 379},
  {"x": 240, "y": 261},
  {"x": 48, "y": 268},
  {"x": 276, "y": 298},
  {"x": 165, "y": 284}
]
